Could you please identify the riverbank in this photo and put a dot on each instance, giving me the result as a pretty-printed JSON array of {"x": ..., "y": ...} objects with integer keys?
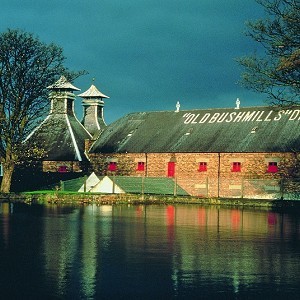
[{"x": 114, "y": 199}]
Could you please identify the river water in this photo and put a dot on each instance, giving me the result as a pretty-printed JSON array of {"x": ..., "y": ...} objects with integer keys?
[{"x": 148, "y": 252}]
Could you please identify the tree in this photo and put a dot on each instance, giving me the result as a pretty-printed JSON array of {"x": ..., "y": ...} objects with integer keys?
[
  {"x": 27, "y": 67},
  {"x": 277, "y": 71}
]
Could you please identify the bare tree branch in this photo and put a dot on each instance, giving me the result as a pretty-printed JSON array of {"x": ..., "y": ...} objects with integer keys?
[
  {"x": 27, "y": 67},
  {"x": 277, "y": 72}
]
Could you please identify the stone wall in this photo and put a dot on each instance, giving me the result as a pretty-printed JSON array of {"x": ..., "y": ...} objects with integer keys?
[
  {"x": 218, "y": 180},
  {"x": 63, "y": 166}
]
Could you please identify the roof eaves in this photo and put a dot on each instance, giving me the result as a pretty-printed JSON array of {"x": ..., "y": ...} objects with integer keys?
[{"x": 73, "y": 139}]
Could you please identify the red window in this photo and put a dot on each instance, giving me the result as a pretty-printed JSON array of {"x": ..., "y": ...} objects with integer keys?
[
  {"x": 236, "y": 167},
  {"x": 202, "y": 167},
  {"x": 272, "y": 167},
  {"x": 62, "y": 169},
  {"x": 171, "y": 169},
  {"x": 140, "y": 166},
  {"x": 112, "y": 166}
]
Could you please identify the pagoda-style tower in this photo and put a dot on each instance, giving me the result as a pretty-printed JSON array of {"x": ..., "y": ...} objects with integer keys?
[
  {"x": 61, "y": 134},
  {"x": 93, "y": 105}
]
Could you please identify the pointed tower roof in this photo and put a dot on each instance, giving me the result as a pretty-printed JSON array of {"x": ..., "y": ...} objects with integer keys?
[
  {"x": 62, "y": 83},
  {"x": 61, "y": 134},
  {"x": 92, "y": 92},
  {"x": 93, "y": 105}
]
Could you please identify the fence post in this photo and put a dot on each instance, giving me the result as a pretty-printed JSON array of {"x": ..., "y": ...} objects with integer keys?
[
  {"x": 242, "y": 188},
  {"x": 281, "y": 188},
  {"x": 84, "y": 183},
  {"x": 113, "y": 186},
  {"x": 143, "y": 187}
]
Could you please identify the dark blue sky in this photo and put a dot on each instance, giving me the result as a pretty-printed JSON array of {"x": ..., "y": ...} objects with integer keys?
[{"x": 147, "y": 54}]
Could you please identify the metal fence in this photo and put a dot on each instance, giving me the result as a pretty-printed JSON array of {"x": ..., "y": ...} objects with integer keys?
[
  {"x": 252, "y": 188},
  {"x": 206, "y": 187}
]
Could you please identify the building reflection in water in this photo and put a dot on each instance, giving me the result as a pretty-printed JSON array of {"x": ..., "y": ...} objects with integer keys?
[
  {"x": 6, "y": 209},
  {"x": 74, "y": 241},
  {"x": 230, "y": 243},
  {"x": 86, "y": 248}
]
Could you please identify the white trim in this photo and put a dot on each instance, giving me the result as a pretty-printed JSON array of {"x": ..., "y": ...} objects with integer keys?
[
  {"x": 86, "y": 155},
  {"x": 102, "y": 116},
  {"x": 1, "y": 170},
  {"x": 36, "y": 128},
  {"x": 81, "y": 125},
  {"x": 66, "y": 104},
  {"x": 73, "y": 139},
  {"x": 51, "y": 103}
]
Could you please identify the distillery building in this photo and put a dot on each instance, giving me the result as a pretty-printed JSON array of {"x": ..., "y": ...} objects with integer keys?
[
  {"x": 93, "y": 114},
  {"x": 61, "y": 134},
  {"x": 249, "y": 152}
]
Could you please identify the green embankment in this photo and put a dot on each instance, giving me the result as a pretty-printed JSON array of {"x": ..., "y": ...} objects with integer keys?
[{"x": 59, "y": 197}]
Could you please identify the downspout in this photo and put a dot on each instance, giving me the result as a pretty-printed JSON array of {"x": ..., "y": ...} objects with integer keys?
[
  {"x": 146, "y": 171},
  {"x": 219, "y": 173}
]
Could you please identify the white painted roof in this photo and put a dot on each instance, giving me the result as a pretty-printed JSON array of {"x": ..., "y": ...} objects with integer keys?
[
  {"x": 92, "y": 92},
  {"x": 62, "y": 83}
]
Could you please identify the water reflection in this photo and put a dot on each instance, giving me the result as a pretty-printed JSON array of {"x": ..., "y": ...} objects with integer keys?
[
  {"x": 168, "y": 251},
  {"x": 5, "y": 210}
]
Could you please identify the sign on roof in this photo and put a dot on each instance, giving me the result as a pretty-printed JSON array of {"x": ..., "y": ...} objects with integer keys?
[{"x": 241, "y": 116}]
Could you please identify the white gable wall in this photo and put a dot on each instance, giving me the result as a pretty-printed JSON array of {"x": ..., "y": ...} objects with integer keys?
[
  {"x": 106, "y": 186},
  {"x": 91, "y": 182}
]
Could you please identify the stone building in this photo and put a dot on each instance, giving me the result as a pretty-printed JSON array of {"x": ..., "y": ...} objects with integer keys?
[
  {"x": 93, "y": 119},
  {"x": 61, "y": 134},
  {"x": 63, "y": 137},
  {"x": 230, "y": 152}
]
